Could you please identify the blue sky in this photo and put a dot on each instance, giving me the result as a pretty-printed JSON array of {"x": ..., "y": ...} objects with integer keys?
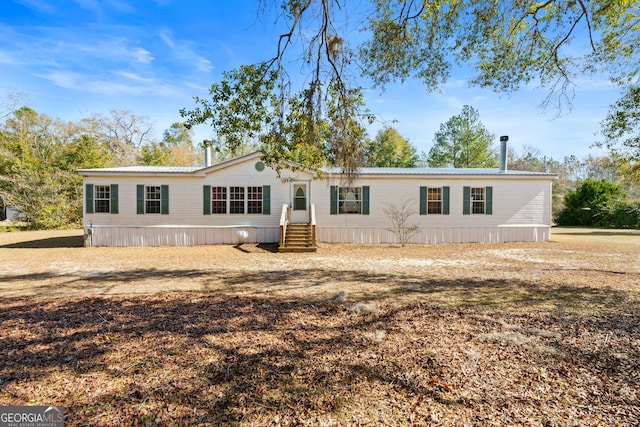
[{"x": 73, "y": 58}]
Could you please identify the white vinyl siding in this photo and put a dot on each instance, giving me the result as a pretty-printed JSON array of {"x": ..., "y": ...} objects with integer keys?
[
  {"x": 521, "y": 208},
  {"x": 520, "y": 212}
]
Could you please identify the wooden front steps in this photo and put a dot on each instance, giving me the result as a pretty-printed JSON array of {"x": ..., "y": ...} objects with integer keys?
[{"x": 299, "y": 238}]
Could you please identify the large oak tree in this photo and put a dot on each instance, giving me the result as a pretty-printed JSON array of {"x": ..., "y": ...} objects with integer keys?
[{"x": 507, "y": 44}]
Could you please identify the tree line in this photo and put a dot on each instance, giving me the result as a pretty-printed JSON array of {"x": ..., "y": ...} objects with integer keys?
[{"x": 39, "y": 157}]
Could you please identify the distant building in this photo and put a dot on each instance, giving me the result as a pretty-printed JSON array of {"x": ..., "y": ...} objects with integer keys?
[{"x": 7, "y": 213}]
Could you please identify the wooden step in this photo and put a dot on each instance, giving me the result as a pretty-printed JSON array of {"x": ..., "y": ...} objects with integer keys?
[
  {"x": 299, "y": 238},
  {"x": 297, "y": 249}
]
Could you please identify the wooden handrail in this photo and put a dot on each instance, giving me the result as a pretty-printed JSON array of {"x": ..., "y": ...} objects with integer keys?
[
  {"x": 313, "y": 214},
  {"x": 284, "y": 221},
  {"x": 313, "y": 224}
]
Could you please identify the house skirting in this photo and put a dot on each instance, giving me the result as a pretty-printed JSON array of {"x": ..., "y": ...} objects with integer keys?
[
  {"x": 434, "y": 235},
  {"x": 101, "y": 235},
  {"x": 113, "y": 235}
]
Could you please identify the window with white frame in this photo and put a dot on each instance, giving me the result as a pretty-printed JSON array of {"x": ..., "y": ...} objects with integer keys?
[
  {"x": 236, "y": 200},
  {"x": 219, "y": 200},
  {"x": 434, "y": 200},
  {"x": 478, "y": 200},
  {"x": 350, "y": 200},
  {"x": 102, "y": 199},
  {"x": 152, "y": 200},
  {"x": 254, "y": 200}
]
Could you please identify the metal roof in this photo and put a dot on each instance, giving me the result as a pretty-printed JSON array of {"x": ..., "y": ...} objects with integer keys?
[
  {"x": 146, "y": 169},
  {"x": 438, "y": 171},
  {"x": 338, "y": 171}
]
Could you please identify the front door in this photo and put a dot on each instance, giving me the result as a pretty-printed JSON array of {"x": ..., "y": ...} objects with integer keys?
[{"x": 300, "y": 203}]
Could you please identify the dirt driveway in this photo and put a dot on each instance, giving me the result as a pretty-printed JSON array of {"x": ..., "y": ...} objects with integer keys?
[
  {"x": 51, "y": 263},
  {"x": 539, "y": 334}
]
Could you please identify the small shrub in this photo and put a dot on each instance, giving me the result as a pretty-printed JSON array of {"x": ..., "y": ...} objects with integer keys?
[{"x": 399, "y": 215}]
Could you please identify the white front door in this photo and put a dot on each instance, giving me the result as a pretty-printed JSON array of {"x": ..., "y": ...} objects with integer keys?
[{"x": 300, "y": 203}]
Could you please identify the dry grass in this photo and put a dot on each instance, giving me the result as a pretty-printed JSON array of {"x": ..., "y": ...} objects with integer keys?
[{"x": 512, "y": 334}]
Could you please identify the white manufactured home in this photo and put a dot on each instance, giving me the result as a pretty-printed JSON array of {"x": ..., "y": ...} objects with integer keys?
[{"x": 243, "y": 200}]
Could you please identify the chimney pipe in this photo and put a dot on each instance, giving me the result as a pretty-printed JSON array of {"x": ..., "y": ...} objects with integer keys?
[
  {"x": 207, "y": 153},
  {"x": 503, "y": 153}
]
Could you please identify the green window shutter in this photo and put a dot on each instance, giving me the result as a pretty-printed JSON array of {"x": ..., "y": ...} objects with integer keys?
[
  {"x": 365, "y": 200},
  {"x": 466, "y": 201},
  {"x": 88, "y": 194},
  {"x": 334, "y": 200},
  {"x": 114, "y": 198},
  {"x": 206, "y": 200},
  {"x": 164, "y": 199},
  {"x": 489, "y": 201},
  {"x": 445, "y": 200},
  {"x": 423, "y": 200},
  {"x": 140, "y": 199},
  {"x": 266, "y": 200}
]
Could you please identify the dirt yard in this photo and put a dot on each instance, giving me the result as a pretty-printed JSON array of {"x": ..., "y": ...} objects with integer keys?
[{"x": 477, "y": 334}]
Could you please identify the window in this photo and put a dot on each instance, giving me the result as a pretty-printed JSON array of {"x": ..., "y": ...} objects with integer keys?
[
  {"x": 152, "y": 199},
  {"x": 434, "y": 200},
  {"x": 299, "y": 198},
  {"x": 350, "y": 200},
  {"x": 254, "y": 200},
  {"x": 219, "y": 200},
  {"x": 102, "y": 199},
  {"x": 236, "y": 197},
  {"x": 477, "y": 200},
  {"x": 232, "y": 200}
]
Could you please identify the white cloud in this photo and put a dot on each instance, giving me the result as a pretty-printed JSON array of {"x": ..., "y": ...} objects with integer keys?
[
  {"x": 41, "y": 6},
  {"x": 7, "y": 58},
  {"x": 114, "y": 49},
  {"x": 123, "y": 84},
  {"x": 134, "y": 77},
  {"x": 98, "y": 7},
  {"x": 184, "y": 51},
  {"x": 91, "y": 5},
  {"x": 78, "y": 48},
  {"x": 167, "y": 39}
]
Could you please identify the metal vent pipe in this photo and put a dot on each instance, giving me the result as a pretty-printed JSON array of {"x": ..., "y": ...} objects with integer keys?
[
  {"x": 503, "y": 153},
  {"x": 207, "y": 153}
]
